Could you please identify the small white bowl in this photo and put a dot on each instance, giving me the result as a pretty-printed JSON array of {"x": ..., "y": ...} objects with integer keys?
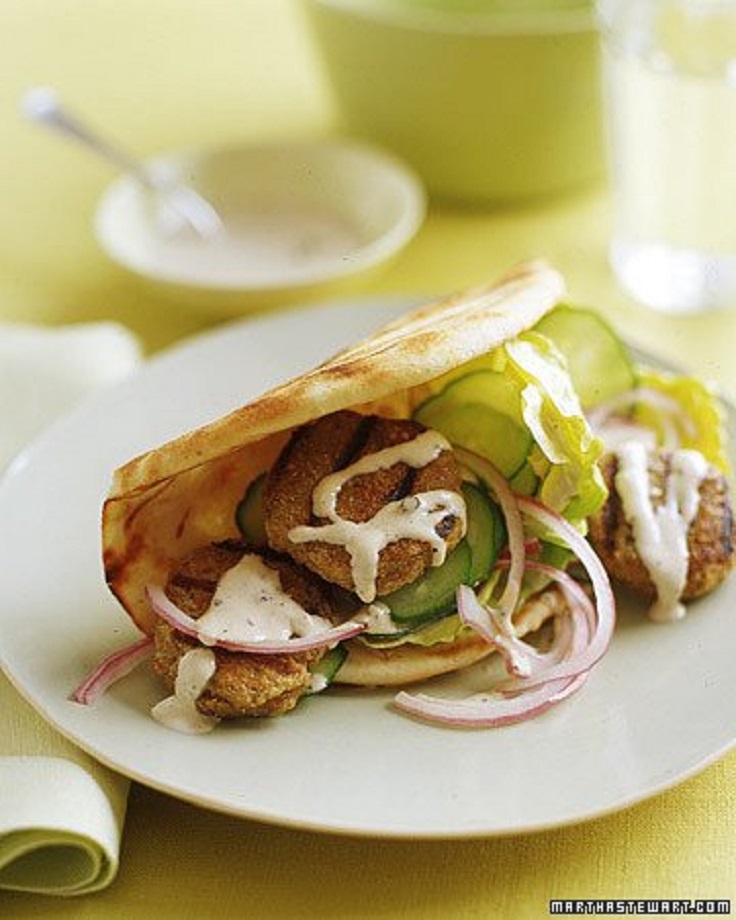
[{"x": 299, "y": 219}]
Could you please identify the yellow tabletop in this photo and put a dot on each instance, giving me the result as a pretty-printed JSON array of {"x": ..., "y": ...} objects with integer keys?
[{"x": 178, "y": 73}]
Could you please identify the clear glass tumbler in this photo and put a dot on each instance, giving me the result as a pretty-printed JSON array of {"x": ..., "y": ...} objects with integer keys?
[{"x": 670, "y": 87}]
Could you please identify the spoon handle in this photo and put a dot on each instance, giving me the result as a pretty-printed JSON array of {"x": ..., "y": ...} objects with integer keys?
[{"x": 42, "y": 106}]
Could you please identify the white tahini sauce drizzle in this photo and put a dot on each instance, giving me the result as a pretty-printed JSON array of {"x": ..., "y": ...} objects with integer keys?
[
  {"x": 249, "y": 605},
  {"x": 377, "y": 618},
  {"x": 414, "y": 517},
  {"x": 318, "y": 683},
  {"x": 179, "y": 711},
  {"x": 661, "y": 532}
]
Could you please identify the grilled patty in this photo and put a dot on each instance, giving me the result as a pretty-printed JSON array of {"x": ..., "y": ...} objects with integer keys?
[
  {"x": 711, "y": 545},
  {"x": 243, "y": 684},
  {"x": 333, "y": 443}
]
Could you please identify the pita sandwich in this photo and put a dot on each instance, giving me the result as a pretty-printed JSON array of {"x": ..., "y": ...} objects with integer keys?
[{"x": 169, "y": 503}]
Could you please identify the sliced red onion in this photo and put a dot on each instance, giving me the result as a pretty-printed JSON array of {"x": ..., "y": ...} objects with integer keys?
[
  {"x": 573, "y": 631},
  {"x": 549, "y": 678},
  {"x": 474, "y": 614},
  {"x": 486, "y": 710},
  {"x": 493, "y": 629},
  {"x": 514, "y": 526},
  {"x": 576, "y": 597},
  {"x": 163, "y": 607},
  {"x": 111, "y": 669},
  {"x": 177, "y": 619},
  {"x": 532, "y": 547},
  {"x": 605, "y": 604}
]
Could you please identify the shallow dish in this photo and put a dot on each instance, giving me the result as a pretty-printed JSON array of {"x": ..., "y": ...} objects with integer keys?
[
  {"x": 660, "y": 706},
  {"x": 299, "y": 219}
]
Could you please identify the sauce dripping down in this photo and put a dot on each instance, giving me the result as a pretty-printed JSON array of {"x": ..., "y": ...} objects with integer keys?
[
  {"x": 415, "y": 517},
  {"x": 660, "y": 533},
  {"x": 179, "y": 711},
  {"x": 377, "y": 618},
  {"x": 249, "y": 605}
]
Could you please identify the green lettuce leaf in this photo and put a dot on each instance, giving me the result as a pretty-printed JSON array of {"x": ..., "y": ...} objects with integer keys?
[
  {"x": 447, "y": 629},
  {"x": 561, "y": 463},
  {"x": 567, "y": 452},
  {"x": 602, "y": 368},
  {"x": 705, "y": 426}
]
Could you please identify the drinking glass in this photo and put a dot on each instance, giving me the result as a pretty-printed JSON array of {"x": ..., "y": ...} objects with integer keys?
[{"x": 670, "y": 94}]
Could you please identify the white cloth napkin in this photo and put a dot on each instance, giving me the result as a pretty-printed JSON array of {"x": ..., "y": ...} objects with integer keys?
[{"x": 61, "y": 813}]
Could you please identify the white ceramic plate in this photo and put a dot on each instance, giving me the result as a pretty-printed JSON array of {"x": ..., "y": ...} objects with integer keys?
[{"x": 659, "y": 707}]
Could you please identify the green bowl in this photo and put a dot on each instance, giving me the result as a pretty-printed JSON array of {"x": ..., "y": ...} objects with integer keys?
[{"x": 490, "y": 101}]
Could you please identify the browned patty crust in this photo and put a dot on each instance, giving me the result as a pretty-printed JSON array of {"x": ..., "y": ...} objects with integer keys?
[
  {"x": 334, "y": 443},
  {"x": 711, "y": 544},
  {"x": 243, "y": 684}
]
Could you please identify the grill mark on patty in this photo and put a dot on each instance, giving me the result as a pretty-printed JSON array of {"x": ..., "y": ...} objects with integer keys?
[
  {"x": 727, "y": 531},
  {"x": 350, "y": 452},
  {"x": 401, "y": 477},
  {"x": 192, "y": 582},
  {"x": 291, "y": 445},
  {"x": 332, "y": 445},
  {"x": 612, "y": 511},
  {"x": 233, "y": 545},
  {"x": 404, "y": 486},
  {"x": 357, "y": 442},
  {"x": 710, "y": 537}
]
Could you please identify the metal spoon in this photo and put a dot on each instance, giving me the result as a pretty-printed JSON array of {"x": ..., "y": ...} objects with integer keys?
[{"x": 181, "y": 203}]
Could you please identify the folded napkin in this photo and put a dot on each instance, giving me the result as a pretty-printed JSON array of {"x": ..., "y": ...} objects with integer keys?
[{"x": 61, "y": 813}]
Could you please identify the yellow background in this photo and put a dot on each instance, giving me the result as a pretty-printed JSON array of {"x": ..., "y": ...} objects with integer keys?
[{"x": 160, "y": 75}]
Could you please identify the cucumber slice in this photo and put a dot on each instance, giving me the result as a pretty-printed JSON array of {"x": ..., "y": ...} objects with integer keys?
[
  {"x": 490, "y": 388},
  {"x": 597, "y": 359},
  {"x": 486, "y": 533},
  {"x": 481, "y": 411},
  {"x": 525, "y": 480},
  {"x": 328, "y": 666},
  {"x": 249, "y": 513},
  {"x": 421, "y": 633},
  {"x": 432, "y": 595}
]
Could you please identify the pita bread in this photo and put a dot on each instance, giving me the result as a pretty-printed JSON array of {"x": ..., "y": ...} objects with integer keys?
[{"x": 168, "y": 502}]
